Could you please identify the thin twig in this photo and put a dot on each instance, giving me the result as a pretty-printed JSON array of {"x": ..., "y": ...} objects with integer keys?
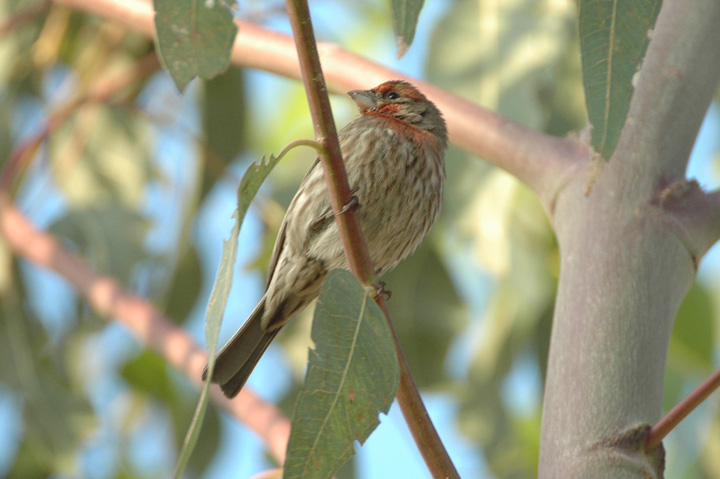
[
  {"x": 668, "y": 422},
  {"x": 356, "y": 252}
]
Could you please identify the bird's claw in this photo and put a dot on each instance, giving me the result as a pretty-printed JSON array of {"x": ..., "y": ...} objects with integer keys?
[
  {"x": 381, "y": 291},
  {"x": 352, "y": 204}
]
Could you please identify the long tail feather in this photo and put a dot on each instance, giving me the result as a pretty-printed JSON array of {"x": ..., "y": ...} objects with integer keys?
[{"x": 240, "y": 355}]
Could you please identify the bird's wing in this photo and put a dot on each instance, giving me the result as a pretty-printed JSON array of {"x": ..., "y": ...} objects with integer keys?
[{"x": 280, "y": 241}]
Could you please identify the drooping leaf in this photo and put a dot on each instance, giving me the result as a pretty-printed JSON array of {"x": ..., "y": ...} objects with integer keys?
[
  {"x": 194, "y": 37},
  {"x": 353, "y": 375},
  {"x": 405, "y": 14},
  {"x": 613, "y": 38},
  {"x": 248, "y": 188}
]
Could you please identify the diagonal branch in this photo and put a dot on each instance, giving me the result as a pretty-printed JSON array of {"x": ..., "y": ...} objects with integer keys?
[
  {"x": 356, "y": 251},
  {"x": 541, "y": 161},
  {"x": 148, "y": 325}
]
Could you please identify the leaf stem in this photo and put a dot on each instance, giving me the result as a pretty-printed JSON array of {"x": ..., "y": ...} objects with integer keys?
[{"x": 356, "y": 251}]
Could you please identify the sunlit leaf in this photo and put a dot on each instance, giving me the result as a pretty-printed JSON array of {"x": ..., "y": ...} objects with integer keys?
[
  {"x": 353, "y": 375},
  {"x": 194, "y": 37},
  {"x": 613, "y": 38},
  {"x": 103, "y": 155}
]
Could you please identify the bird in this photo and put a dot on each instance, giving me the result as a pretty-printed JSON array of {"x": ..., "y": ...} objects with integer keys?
[{"x": 394, "y": 155}]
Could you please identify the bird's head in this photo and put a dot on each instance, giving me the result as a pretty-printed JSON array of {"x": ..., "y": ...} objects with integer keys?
[{"x": 402, "y": 101}]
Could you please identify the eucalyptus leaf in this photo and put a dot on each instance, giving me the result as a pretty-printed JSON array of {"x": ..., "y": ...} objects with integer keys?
[
  {"x": 194, "y": 38},
  {"x": 405, "y": 14},
  {"x": 353, "y": 375},
  {"x": 613, "y": 38}
]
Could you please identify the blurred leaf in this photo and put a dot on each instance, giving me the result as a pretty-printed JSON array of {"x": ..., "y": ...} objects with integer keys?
[
  {"x": 405, "y": 14},
  {"x": 515, "y": 47},
  {"x": 223, "y": 116},
  {"x": 427, "y": 313},
  {"x": 693, "y": 335},
  {"x": 690, "y": 353},
  {"x": 111, "y": 236},
  {"x": 185, "y": 287},
  {"x": 148, "y": 373},
  {"x": 194, "y": 37},
  {"x": 353, "y": 375},
  {"x": 513, "y": 239},
  {"x": 102, "y": 155},
  {"x": 519, "y": 63},
  {"x": 31, "y": 463},
  {"x": 613, "y": 38},
  {"x": 57, "y": 417},
  {"x": 561, "y": 94}
]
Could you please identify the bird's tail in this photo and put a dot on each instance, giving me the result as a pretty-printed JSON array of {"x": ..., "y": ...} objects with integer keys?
[{"x": 237, "y": 359}]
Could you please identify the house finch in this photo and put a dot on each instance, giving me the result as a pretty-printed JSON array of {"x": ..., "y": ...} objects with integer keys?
[{"x": 394, "y": 158}]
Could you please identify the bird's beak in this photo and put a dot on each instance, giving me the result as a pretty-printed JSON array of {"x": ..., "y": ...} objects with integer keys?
[{"x": 364, "y": 99}]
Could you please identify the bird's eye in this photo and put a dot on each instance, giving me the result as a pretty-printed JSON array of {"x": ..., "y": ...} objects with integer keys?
[{"x": 393, "y": 95}]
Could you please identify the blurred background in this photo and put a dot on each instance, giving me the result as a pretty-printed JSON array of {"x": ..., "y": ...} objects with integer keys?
[{"x": 143, "y": 187}]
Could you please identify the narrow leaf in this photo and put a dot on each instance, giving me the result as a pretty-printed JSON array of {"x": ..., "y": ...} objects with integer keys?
[
  {"x": 194, "y": 37},
  {"x": 248, "y": 188},
  {"x": 352, "y": 376},
  {"x": 614, "y": 36},
  {"x": 405, "y": 14}
]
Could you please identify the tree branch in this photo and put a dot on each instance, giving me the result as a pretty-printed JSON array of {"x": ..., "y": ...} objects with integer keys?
[
  {"x": 148, "y": 325},
  {"x": 674, "y": 87},
  {"x": 626, "y": 261},
  {"x": 541, "y": 161},
  {"x": 356, "y": 251}
]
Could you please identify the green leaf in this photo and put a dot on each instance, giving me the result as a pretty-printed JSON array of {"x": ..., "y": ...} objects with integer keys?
[
  {"x": 148, "y": 373},
  {"x": 56, "y": 416},
  {"x": 353, "y": 375},
  {"x": 692, "y": 341},
  {"x": 422, "y": 293},
  {"x": 223, "y": 121},
  {"x": 184, "y": 288},
  {"x": 111, "y": 236},
  {"x": 194, "y": 37},
  {"x": 405, "y": 14},
  {"x": 114, "y": 166},
  {"x": 613, "y": 38},
  {"x": 248, "y": 188}
]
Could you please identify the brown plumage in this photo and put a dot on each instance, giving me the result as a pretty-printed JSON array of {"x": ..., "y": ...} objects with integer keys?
[{"x": 394, "y": 156}]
